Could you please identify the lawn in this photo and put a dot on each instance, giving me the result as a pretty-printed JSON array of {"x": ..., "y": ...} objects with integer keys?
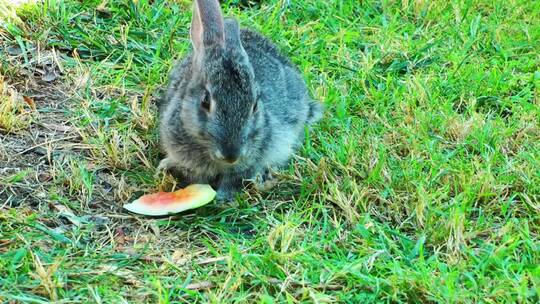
[{"x": 420, "y": 185}]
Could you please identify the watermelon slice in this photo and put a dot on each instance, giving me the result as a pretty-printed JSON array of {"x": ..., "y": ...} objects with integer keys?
[{"x": 164, "y": 203}]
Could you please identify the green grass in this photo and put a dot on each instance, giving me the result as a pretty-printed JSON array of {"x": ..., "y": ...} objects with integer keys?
[{"x": 421, "y": 184}]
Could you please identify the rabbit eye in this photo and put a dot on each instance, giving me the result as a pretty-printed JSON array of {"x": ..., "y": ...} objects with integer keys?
[
  {"x": 205, "y": 103},
  {"x": 254, "y": 108}
]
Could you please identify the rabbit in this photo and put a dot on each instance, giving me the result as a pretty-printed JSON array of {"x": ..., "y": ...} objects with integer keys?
[{"x": 235, "y": 107}]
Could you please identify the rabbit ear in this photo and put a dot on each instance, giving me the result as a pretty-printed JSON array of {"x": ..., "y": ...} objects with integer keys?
[
  {"x": 232, "y": 35},
  {"x": 206, "y": 25}
]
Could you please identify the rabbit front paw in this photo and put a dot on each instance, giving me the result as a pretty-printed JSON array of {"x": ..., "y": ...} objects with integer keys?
[
  {"x": 264, "y": 181},
  {"x": 164, "y": 165},
  {"x": 227, "y": 189}
]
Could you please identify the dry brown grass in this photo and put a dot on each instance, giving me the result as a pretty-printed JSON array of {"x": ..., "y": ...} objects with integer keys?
[{"x": 16, "y": 114}]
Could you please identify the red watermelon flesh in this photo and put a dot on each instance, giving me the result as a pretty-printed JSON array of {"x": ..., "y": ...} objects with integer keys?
[{"x": 164, "y": 203}]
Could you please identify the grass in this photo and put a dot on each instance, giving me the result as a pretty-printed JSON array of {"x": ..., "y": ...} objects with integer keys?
[
  {"x": 14, "y": 114},
  {"x": 421, "y": 184}
]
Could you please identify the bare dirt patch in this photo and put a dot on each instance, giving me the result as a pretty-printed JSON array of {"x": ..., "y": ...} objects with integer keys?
[
  {"x": 31, "y": 152},
  {"x": 29, "y": 156}
]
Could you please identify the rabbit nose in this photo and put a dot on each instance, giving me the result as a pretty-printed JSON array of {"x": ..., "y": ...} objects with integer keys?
[
  {"x": 231, "y": 160},
  {"x": 230, "y": 156}
]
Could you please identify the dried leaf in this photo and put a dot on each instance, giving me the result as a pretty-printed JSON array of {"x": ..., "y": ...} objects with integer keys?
[
  {"x": 66, "y": 212},
  {"x": 120, "y": 236},
  {"x": 30, "y": 102},
  {"x": 56, "y": 127},
  {"x": 43, "y": 177}
]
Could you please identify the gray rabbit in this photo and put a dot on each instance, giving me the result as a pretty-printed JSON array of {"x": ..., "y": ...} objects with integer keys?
[{"x": 234, "y": 108}]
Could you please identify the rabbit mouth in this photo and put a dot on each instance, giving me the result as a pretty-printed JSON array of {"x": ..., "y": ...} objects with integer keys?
[{"x": 227, "y": 162}]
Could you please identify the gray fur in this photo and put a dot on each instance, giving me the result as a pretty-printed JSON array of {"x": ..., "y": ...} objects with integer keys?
[{"x": 238, "y": 68}]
